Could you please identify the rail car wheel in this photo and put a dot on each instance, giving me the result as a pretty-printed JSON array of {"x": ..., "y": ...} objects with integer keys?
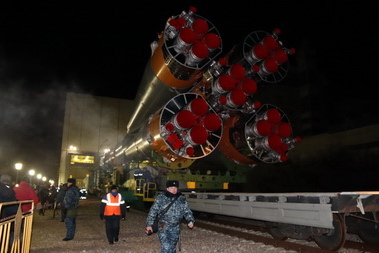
[
  {"x": 336, "y": 238},
  {"x": 369, "y": 231},
  {"x": 277, "y": 234}
]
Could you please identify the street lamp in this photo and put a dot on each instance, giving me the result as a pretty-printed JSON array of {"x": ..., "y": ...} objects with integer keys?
[
  {"x": 31, "y": 173},
  {"x": 18, "y": 167},
  {"x": 39, "y": 176}
]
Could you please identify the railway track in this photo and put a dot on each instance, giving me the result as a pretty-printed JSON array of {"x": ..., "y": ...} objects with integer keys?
[{"x": 249, "y": 230}]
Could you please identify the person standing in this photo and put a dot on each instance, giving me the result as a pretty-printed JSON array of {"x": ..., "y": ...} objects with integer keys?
[
  {"x": 169, "y": 223},
  {"x": 7, "y": 194},
  {"x": 112, "y": 209},
  {"x": 60, "y": 198},
  {"x": 71, "y": 203},
  {"x": 43, "y": 195},
  {"x": 25, "y": 192}
]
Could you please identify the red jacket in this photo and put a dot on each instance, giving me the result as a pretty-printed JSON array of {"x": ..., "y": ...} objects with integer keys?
[{"x": 25, "y": 192}]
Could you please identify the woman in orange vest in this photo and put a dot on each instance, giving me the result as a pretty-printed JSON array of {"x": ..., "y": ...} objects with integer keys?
[{"x": 112, "y": 209}]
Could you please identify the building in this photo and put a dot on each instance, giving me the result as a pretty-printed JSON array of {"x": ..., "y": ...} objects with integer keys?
[{"x": 92, "y": 124}]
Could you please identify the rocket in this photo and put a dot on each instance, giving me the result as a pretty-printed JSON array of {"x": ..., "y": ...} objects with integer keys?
[{"x": 191, "y": 101}]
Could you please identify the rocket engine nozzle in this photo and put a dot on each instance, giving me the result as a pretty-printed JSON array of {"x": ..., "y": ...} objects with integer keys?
[
  {"x": 269, "y": 134},
  {"x": 186, "y": 127}
]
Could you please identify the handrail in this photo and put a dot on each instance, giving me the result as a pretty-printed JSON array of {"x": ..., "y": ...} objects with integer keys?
[{"x": 16, "y": 230}]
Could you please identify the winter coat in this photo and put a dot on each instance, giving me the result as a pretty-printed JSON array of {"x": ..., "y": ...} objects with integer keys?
[
  {"x": 60, "y": 196},
  {"x": 7, "y": 194},
  {"x": 175, "y": 213},
  {"x": 71, "y": 199},
  {"x": 25, "y": 192},
  {"x": 43, "y": 194}
]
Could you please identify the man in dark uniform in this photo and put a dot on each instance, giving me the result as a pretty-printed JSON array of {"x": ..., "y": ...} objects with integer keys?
[
  {"x": 71, "y": 203},
  {"x": 169, "y": 223},
  {"x": 60, "y": 200}
]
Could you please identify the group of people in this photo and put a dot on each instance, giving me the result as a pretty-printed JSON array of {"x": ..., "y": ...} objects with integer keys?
[
  {"x": 23, "y": 192},
  {"x": 68, "y": 197},
  {"x": 170, "y": 205},
  {"x": 112, "y": 210}
]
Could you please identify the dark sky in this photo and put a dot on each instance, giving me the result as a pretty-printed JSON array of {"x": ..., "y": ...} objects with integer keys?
[{"x": 50, "y": 47}]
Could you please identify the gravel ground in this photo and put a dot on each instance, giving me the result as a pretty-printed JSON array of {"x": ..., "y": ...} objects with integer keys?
[
  {"x": 90, "y": 236},
  {"x": 47, "y": 235}
]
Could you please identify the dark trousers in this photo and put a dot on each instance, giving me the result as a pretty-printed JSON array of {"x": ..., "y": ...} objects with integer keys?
[
  {"x": 70, "y": 227},
  {"x": 112, "y": 227},
  {"x": 63, "y": 213},
  {"x": 169, "y": 237},
  {"x": 70, "y": 222}
]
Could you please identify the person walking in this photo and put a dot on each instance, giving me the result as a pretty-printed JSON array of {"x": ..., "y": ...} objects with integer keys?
[
  {"x": 25, "y": 192},
  {"x": 169, "y": 222},
  {"x": 7, "y": 194},
  {"x": 112, "y": 209},
  {"x": 71, "y": 203},
  {"x": 60, "y": 202}
]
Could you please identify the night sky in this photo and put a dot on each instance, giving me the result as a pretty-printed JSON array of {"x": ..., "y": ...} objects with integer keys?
[{"x": 50, "y": 47}]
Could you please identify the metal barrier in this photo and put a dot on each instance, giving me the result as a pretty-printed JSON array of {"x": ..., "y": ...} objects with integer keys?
[{"x": 16, "y": 230}]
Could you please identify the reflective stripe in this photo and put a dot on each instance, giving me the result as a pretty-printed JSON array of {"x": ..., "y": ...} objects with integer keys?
[{"x": 113, "y": 204}]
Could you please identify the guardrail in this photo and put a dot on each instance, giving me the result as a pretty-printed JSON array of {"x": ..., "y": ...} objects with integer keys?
[{"x": 16, "y": 230}]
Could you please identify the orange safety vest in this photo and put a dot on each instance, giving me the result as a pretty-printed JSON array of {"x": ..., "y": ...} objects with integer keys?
[{"x": 113, "y": 203}]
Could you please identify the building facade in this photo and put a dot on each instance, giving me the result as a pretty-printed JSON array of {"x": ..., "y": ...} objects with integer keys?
[{"x": 92, "y": 124}]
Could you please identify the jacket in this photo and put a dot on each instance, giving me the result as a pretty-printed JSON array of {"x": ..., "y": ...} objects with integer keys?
[
  {"x": 25, "y": 192},
  {"x": 174, "y": 214},
  {"x": 112, "y": 205},
  {"x": 60, "y": 195},
  {"x": 72, "y": 197},
  {"x": 7, "y": 194}
]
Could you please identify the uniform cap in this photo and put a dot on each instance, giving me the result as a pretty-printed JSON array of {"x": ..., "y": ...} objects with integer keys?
[
  {"x": 71, "y": 180},
  {"x": 172, "y": 183},
  {"x": 113, "y": 187}
]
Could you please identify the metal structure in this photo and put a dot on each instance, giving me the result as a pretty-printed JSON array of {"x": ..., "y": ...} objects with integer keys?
[
  {"x": 16, "y": 230},
  {"x": 193, "y": 104},
  {"x": 323, "y": 217}
]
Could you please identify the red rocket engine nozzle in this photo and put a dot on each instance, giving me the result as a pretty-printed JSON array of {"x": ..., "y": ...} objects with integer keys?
[
  {"x": 263, "y": 55},
  {"x": 269, "y": 134},
  {"x": 188, "y": 127},
  {"x": 194, "y": 38},
  {"x": 185, "y": 39}
]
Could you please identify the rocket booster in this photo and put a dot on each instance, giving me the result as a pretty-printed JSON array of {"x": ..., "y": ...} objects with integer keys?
[
  {"x": 190, "y": 102},
  {"x": 180, "y": 56}
]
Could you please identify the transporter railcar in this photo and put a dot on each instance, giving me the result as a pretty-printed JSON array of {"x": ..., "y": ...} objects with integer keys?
[{"x": 324, "y": 217}]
